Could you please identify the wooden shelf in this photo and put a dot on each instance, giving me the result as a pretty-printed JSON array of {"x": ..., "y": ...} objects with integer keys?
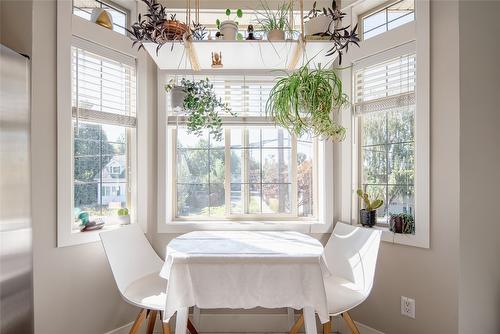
[{"x": 244, "y": 55}]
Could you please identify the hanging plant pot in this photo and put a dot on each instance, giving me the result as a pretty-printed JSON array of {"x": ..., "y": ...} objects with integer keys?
[
  {"x": 317, "y": 25},
  {"x": 177, "y": 96},
  {"x": 276, "y": 35},
  {"x": 368, "y": 218},
  {"x": 229, "y": 30},
  {"x": 171, "y": 31}
]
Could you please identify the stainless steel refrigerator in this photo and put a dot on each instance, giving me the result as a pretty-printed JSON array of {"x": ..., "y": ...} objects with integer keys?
[{"x": 16, "y": 287}]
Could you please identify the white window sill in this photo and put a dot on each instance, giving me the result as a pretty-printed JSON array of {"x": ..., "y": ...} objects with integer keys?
[
  {"x": 414, "y": 240},
  {"x": 78, "y": 238},
  {"x": 299, "y": 226}
]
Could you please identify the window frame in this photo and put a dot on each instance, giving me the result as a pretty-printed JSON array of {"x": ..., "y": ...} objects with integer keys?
[
  {"x": 70, "y": 26},
  {"x": 417, "y": 31},
  {"x": 114, "y": 6},
  {"x": 321, "y": 223},
  {"x": 382, "y": 7}
]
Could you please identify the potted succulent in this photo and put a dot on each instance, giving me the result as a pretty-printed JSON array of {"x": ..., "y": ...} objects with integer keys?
[
  {"x": 273, "y": 23},
  {"x": 304, "y": 101},
  {"x": 229, "y": 28},
  {"x": 368, "y": 215},
  {"x": 156, "y": 26},
  {"x": 123, "y": 216},
  {"x": 202, "y": 107},
  {"x": 403, "y": 223}
]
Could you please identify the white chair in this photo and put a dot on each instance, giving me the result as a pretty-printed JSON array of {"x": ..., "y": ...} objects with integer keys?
[
  {"x": 136, "y": 266},
  {"x": 351, "y": 255}
]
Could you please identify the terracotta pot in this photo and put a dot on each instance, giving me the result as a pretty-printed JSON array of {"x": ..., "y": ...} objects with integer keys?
[
  {"x": 229, "y": 30},
  {"x": 276, "y": 35},
  {"x": 173, "y": 31},
  {"x": 317, "y": 25}
]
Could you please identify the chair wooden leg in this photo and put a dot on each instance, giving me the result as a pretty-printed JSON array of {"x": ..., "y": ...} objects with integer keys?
[
  {"x": 191, "y": 327},
  {"x": 151, "y": 322},
  {"x": 347, "y": 318},
  {"x": 138, "y": 321},
  {"x": 327, "y": 328},
  {"x": 165, "y": 326},
  {"x": 298, "y": 324}
]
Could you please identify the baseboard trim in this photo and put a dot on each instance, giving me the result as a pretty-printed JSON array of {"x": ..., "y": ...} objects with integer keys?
[{"x": 247, "y": 323}]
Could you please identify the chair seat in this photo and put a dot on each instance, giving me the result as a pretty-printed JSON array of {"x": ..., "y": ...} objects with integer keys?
[
  {"x": 148, "y": 292},
  {"x": 342, "y": 295}
]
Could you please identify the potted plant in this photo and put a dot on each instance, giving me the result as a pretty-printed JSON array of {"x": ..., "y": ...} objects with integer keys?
[
  {"x": 273, "y": 23},
  {"x": 403, "y": 223},
  {"x": 202, "y": 107},
  {"x": 368, "y": 215},
  {"x": 317, "y": 22},
  {"x": 304, "y": 102},
  {"x": 123, "y": 216},
  {"x": 229, "y": 28},
  {"x": 156, "y": 26}
]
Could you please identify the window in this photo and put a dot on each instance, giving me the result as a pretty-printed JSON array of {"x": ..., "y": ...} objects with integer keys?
[
  {"x": 84, "y": 8},
  {"x": 103, "y": 99},
  {"x": 257, "y": 171},
  {"x": 385, "y": 109},
  {"x": 388, "y": 18}
]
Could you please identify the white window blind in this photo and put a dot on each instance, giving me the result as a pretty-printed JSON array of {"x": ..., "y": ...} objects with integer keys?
[
  {"x": 385, "y": 85},
  {"x": 245, "y": 95},
  {"x": 104, "y": 90}
]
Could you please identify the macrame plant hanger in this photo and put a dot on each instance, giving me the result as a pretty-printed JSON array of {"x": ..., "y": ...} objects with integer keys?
[
  {"x": 188, "y": 39},
  {"x": 300, "y": 47}
]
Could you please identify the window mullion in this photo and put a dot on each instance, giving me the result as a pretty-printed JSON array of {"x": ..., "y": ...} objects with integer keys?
[
  {"x": 245, "y": 187},
  {"x": 293, "y": 195},
  {"x": 227, "y": 172}
]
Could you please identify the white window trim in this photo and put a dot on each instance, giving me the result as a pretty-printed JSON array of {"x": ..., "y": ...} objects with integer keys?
[
  {"x": 419, "y": 31},
  {"x": 322, "y": 223},
  {"x": 69, "y": 25}
]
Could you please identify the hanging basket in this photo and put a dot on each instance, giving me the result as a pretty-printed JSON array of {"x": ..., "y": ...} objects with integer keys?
[{"x": 172, "y": 31}]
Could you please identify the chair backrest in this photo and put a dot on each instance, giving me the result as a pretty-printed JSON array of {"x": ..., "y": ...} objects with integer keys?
[
  {"x": 129, "y": 254},
  {"x": 351, "y": 253}
]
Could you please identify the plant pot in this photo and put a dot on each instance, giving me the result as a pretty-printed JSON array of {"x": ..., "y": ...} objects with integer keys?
[
  {"x": 276, "y": 35},
  {"x": 396, "y": 224},
  {"x": 124, "y": 220},
  {"x": 177, "y": 96},
  {"x": 172, "y": 31},
  {"x": 229, "y": 30},
  {"x": 317, "y": 25},
  {"x": 368, "y": 218}
]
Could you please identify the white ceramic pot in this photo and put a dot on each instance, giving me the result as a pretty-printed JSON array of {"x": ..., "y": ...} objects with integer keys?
[
  {"x": 177, "y": 96},
  {"x": 276, "y": 35},
  {"x": 317, "y": 25},
  {"x": 124, "y": 220},
  {"x": 229, "y": 30}
]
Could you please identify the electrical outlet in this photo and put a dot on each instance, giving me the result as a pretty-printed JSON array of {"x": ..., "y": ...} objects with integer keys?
[{"x": 408, "y": 307}]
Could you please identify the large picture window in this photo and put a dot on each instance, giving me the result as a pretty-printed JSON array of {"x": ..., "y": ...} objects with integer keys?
[
  {"x": 103, "y": 99},
  {"x": 385, "y": 109},
  {"x": 256, "y": 171}
]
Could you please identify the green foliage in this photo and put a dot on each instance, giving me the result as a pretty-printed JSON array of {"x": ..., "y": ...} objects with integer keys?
[
  {"x": 228, "y": 12},
  {"x": 303, "y": 102},
  {"x": 123, "y": 212},
  {"x": 217, "y": 24},
  {"x": 269, "y": 19},
  {"x": 239, "y": 13},
  {"x": 203, "y": 107},
  {"x": 407, "y": 220},
  {"x": 369, "y": 205}
]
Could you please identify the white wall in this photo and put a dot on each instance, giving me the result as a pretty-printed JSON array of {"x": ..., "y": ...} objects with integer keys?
[{"x": 479, "y": 293}]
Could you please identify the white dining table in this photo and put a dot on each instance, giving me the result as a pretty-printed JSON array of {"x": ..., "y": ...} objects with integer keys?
[{"x": 245, "y": 269}]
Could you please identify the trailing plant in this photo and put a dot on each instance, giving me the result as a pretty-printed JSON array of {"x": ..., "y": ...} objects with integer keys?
[
  {"x": 303, "y": 102},
  {"x": 268, "y": 19},
  {"x": 156, "y": 27},
  {"x": 203, "y": 107},
  {"x": 369, "y": 205},
  {"x": 402, "y": 223},
  {"x": 341, "y": 37}
]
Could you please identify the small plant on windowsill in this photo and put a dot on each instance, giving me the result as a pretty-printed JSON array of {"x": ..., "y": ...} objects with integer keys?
[
  {"x": 228, "y": 29},
  {"x": 368, "y": 215},
  {"x": 402, "y": 223},
  {"x": 202, "y": 107},
  {"x": 273, "y": 22},
  {"x": 123, "y": 216}
]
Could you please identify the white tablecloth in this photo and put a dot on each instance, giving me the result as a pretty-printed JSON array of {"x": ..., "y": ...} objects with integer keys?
[{"x": 226, "y": 269}]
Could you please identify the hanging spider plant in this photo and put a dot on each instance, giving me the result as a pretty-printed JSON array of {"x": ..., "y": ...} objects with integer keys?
[{"x": 304, "y": 102}]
